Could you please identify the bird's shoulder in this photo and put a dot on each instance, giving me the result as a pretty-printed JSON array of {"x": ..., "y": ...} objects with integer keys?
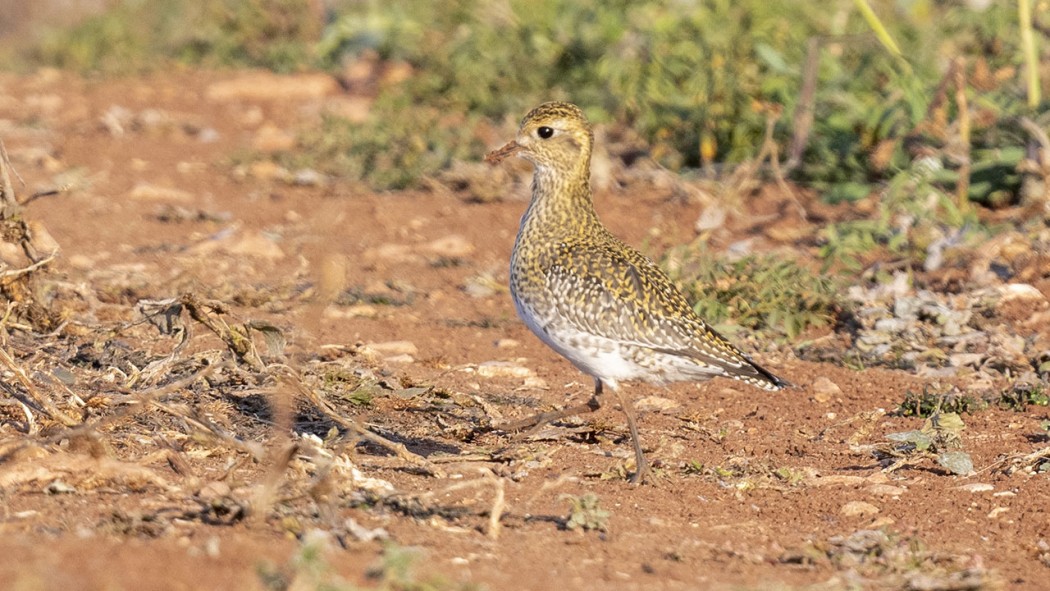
[
  {"x": 612, "y": 288},
  {"x": 602, "y": 264}
]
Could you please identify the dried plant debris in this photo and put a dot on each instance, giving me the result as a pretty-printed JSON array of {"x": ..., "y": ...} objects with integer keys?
[
  {"x": 940, "y": 437},
  {"x": 893, "y": 561},
  {"x": 21, "y": 288}
]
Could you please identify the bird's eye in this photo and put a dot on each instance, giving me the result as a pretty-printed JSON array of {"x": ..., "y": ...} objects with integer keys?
[{"x": 545, "y": 132}]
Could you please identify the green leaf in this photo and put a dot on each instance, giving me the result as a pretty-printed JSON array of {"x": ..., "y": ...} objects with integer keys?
[{"x": 920, "y": 440}]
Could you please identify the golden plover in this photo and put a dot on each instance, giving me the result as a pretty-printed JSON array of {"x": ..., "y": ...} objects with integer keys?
[{"x": 596, "y": 301}]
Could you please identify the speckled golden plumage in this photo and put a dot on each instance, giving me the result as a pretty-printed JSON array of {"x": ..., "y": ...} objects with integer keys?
[{"x": 595, "y": 300}]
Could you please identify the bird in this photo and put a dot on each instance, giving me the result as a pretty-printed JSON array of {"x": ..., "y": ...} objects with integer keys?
[{"x": 596, "y": 301}]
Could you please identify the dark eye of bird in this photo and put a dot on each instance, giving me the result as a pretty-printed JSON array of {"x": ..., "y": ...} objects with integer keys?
[{"x": 545, "y": 132}]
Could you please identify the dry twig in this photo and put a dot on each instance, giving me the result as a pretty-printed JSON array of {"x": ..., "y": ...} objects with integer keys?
[
  {"x": 42, "y": 401},
  {"x": 291, "y": 378}
]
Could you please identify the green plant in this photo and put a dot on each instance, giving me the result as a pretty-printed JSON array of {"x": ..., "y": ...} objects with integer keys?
[
  {"x": 310, "y": 569},
  {"x": 142, "y": 35},
  {"x": 400, "y": 145},
  {"x": 692, "y": 80},
  {"x": 889, "y": 86},
  {"x": 914, "y": 210},
  {"x": 1021, "y": 396},
  {"x": 939, "y": 438},
  {"x": 929, "y": 402},
  {"x": 686, "y": 76},
  {"x": 586, "y": 513},
  {"x": 755, "y": 292}
]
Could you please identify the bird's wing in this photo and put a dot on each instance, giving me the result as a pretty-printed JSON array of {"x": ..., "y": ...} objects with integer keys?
[{"x": 613, "y": 291}]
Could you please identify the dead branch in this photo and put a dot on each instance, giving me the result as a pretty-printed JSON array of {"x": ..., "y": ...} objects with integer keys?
[
  {"x": 291, "y": 378},
  {"x": 42, "y": 401},
  {"x": 142, "y": 400},
  {"x": 8, "y": 203},
  {"x": 805, "y": 106},
  {"x": 208, "y": 313}
]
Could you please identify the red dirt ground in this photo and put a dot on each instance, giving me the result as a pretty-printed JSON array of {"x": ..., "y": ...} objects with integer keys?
[{"x": 755, "y": 490}]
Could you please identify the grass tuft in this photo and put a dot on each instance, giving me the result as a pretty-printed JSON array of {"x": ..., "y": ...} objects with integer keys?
[{"x": 758, "y": 293}]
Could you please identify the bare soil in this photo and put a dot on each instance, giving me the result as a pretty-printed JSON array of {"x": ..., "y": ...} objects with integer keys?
[{"x": 754, "y": 490}]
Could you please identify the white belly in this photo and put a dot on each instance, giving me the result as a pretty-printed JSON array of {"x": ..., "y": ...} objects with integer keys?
[
  {"x": 611, "y": 360},
  {"x": 599, "y": 357}
]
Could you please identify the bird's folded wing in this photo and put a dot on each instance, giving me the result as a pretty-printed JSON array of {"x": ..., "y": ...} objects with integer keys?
[{"x": 617, "y": 293}]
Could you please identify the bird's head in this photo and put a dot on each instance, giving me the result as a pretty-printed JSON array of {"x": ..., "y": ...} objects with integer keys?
[{"x": 555, "y": 137}]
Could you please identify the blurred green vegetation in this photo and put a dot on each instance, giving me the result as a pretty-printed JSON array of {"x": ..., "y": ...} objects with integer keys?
[
  {"x": 139, "y": 35},
  {"x": 761, "y": 293},
  {"x": 700, "y": 80}
]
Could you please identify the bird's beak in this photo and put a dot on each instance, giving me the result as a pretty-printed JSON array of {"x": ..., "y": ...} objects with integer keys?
[{"x": 497, "y": 156}]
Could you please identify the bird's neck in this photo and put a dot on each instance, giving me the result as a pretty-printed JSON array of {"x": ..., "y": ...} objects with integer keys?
[{"x": 561, "y": 198}]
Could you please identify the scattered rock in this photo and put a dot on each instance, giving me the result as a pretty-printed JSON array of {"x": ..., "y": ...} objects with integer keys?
[
  {"x": 937, "y": 334},
  {"x": 58, "y": 487},
  {"x": 452, "y": 246},
  {"x": 394, "y": 348},
  {"x": 268, "y": 171},
  {"x": 208, "y": 135},
  {"x": 656, "y": 404},
  {"x": 712, "y": 218},
  {"x": 862, "y": 543},
  {"x": 995, "y": 513},
  {"x": 151, "y": 192},
  {"x": 536, "y": 383},
  {"x": 957, "y": 462},
  {"x": 257, "y": 244},
  {"x": 308, "y": 177},
  {"x": 858, "y": 509},
  {"x": 965, "y": 359},
  {"x": 270, "y": 138},
  {"x": 976, "y": 487},
  {"x": 507, "y": 344},
  {"x": 825, "y": 389},
  {"x": 362, "y": 533},
  {"x": 352, "y": 311},
  {"x": 886, "y": 490},
  {"x": 266, "y": 86},
  {"x": 1020, "y": 291},
  {"x": 40, "y": 239},
  {"x": 503, "y": 369}
]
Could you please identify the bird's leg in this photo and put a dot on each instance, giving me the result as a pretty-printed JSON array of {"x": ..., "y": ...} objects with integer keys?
[
  {"x": 540, "y": 419},
  {"x": 641, "y": 471}
]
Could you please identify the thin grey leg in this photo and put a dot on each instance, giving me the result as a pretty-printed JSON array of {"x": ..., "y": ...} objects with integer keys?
[{"x": 641, "y": 465}]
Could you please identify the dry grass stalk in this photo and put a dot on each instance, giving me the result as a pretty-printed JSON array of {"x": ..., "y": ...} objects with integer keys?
[
  {"x": 204, "y": 426},
  {"x": 142, "y": 401},
  {"x": 488, "y": 478},
  {"x": 209, "y": 313},
  {"x": 962, "y": 189},
  {"x": 44, "y": 402},
  {"x": 8, "y": 203},
  {"x": 292, "y": 379}
]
